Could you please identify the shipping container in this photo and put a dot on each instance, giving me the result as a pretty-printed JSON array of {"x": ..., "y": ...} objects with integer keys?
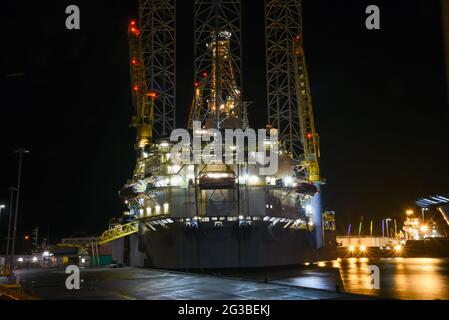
[{"x": 100, "y": 260}]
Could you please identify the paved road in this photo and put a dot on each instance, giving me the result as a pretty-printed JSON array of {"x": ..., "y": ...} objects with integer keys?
[{"x": 147, "y": 284}]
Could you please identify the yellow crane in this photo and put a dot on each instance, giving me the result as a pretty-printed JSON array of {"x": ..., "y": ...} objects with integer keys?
[
  {"x": 143, "y": 101},
  {"x": 309, "y": 136},
  {"x": 143, "y": 120}
]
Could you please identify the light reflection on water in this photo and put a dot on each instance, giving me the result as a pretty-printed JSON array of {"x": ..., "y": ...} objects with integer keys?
[{"x": 400, "y": 278}]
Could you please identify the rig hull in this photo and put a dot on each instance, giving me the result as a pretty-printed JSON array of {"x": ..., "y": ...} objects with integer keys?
[{"x": 232, "y": 246}]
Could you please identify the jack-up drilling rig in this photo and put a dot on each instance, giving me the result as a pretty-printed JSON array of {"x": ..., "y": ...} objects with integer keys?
[{"x": 218, "y": 214}]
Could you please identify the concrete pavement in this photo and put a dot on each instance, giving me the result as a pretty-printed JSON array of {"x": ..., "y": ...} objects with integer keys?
[{"x": 148, "y": 284}]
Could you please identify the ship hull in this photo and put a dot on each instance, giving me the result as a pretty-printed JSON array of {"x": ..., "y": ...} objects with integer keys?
[{"x": 232, "y": 246}]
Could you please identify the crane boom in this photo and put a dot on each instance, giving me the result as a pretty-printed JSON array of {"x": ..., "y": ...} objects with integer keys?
[
  {"x": 143, "y": 102},
  {"x": 309, "y": 136}
]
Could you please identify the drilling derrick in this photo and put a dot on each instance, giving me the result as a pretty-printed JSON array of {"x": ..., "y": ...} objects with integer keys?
[
  {"x": 217, "y": 28},
  {"x": 158, "y": 33},
  {"x": 225, "y": 94},
  {"x": 218, "y": 99}
]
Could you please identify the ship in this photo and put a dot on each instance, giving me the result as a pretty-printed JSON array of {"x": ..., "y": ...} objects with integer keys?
[
  {"x": 199, "y": 210},
  {"x": 420, "y": 236}
]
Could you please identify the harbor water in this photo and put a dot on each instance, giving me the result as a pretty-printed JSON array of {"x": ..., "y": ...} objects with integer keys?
[{"x": 400, "y": 278}]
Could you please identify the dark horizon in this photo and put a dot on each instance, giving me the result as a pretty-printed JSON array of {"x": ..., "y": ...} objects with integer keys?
[{"x": 380, "y": 103}]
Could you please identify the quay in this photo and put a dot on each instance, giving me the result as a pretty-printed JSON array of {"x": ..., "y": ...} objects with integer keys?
[{"x": 149, "y": 284}]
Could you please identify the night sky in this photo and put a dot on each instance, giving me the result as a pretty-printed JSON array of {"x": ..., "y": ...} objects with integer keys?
[{"x": 380, "y": 102}]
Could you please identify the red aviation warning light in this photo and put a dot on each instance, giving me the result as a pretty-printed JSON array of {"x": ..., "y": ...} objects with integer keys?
[
  {"x": 135, "y": 31},
  {"x": 298, "y": 45},
  {"x": 309, "y": 135},
  {"x": 133, "y": 28},
  {"x": 143, "y": 118},
  {"x": 205, "y": 74},
  {"x": 197, "y": 84}
]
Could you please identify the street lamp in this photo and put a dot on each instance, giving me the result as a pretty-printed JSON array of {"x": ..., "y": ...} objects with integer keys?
[
  {"x": 409, "y": 212},
  {"x": 20, "y": 152}
]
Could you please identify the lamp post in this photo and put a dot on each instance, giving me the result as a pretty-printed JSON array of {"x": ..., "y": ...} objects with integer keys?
[
  {"x": 20, "y": 152},
  {"x": 8, "y": 258},
  {"x": 2, "y": 206}
]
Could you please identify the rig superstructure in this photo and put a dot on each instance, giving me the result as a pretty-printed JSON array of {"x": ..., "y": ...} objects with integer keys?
[{"x": 216, "y": 214}]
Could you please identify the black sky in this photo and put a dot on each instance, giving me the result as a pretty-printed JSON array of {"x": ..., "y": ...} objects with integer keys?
[{"x": 379, "y": 96}]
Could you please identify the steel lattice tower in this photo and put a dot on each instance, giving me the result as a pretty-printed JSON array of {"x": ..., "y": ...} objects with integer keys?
[
  {"x": 214, "y": 22},
  {"x": 158, "y": 26},
  {"x": 283, "y": 22},
  {"x": 289, "y": 99}
]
